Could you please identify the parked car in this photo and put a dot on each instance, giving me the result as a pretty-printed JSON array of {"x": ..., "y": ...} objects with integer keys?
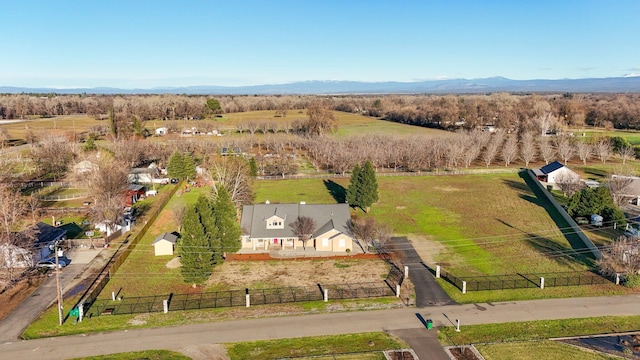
[{"x": 49, "y": 264}]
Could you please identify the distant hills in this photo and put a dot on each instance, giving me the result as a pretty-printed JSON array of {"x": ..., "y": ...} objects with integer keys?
[{"x": 627, "y": 84}]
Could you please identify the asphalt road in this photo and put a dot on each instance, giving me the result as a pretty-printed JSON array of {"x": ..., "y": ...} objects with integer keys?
[
  {"x": 14, "y": 324},
  {"x": 176, "y": 337}
]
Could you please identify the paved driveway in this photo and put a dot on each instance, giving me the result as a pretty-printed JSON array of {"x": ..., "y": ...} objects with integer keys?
[{"x": 428, "y": 292}]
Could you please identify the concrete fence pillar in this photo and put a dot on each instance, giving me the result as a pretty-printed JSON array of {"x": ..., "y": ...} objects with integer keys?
[
  {"x": 464, "y": 287},
  {"x": 406, "y": 271},
  {"x": 541, "y": 283},
  {"x": 617, "y": 279},
  {"x": 398, "y": 290},
  {"x": 326, "y": 294},
  {"x": 165, "y": 306},
  {"x": 247, "y": 300},
  {"x": 80, "y": 312},
  {"x": 113, "y": 296},
  {"x": 437, "y": 271}
]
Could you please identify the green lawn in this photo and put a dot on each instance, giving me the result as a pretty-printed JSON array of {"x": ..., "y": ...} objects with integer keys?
[
  {"x": 537, "y": 330},
  {"x": 364, "y": 343},
  {"x": 140, "y": 355},
  {"x": 143, "y": 273},
  {"x": 485, "y": 222},
  {"x": 538, "y": 350}
]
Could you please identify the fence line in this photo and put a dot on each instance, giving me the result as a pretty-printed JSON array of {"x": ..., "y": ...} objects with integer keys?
[
  {"x": 62, "y": 197},
  {"x": 235, "y": 298},
  {"x": 118, "y": 258},
  {"x": 524, "y": 281},
  {"x": 391, "y": 174}
]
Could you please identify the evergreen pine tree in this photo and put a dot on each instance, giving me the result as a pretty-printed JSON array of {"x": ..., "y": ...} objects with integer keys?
[
  {"x": 204, "y": 208},
  {"x": 253, "y": 167},
  {"x": 227, "y": 221},
  {"x": 195, "y": 256},
  {"x": 175, "y": 165},
  {"x": 354, "y": 188},
  {"x": 368, "y": 187},
  {"x": 188, "y": 167}
]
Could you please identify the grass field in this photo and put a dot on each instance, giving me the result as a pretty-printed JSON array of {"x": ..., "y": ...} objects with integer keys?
[
  {"x": 537, "y": 330},
  {"x": 140, "y": 355},
  {"x": 363, "y": 344},
  {"x": 538, "y": 350},
  {"x": 58, "y": 124},
  {"x": 485, "y": 222}
]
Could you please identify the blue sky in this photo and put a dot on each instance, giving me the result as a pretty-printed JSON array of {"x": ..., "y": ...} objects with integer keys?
[{"x": 135, "y": 43}]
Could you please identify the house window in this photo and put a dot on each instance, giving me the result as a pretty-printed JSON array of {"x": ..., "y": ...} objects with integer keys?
[
  {"x": 341, "y": 243},
  {"x": 325, "y": 242}
]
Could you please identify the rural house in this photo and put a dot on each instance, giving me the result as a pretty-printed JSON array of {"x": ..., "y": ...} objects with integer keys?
[
  {"x": 268, "y": 227},
  {"x": 134, "y": 193},
  {"x": 165, "y": 244},
  {"x": 29, "y": 251},
  {"x": 554, "y": 172}
]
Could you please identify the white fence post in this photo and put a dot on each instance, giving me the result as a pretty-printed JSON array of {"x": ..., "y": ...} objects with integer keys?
[
  {"x": 113, "y": 296},
  {"x": 80, "y": 312},
  {"x": 542, "y": 283},
  {"x": 248, "y": 300},
  {"x": 398, "y": 290},
  {"x": 437, "y": 271},
  {"x": 406, "y": 271},
  {"x": 326, "y": 295},
  {"x": 458, "y": 325},
  {"x": 464, "y": 287},
  {"x": 617, "y": 279},
  {"x": 165, "y": 305}
]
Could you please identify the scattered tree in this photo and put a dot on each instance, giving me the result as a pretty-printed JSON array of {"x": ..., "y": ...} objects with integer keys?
[
  {"x": 303, "y": 227},
  {"x": 193, "y": 247},
  {"x": 622, "y": 257}
]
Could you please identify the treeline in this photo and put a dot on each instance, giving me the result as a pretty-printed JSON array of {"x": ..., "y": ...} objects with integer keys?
[{"x": 507, "y": 111}]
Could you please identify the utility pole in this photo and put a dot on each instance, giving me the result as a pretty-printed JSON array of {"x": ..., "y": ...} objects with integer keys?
[{"x": 58, "y": 289}]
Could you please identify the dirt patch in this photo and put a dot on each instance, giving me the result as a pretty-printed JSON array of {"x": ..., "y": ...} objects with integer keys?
[
  {"x": 173, "y": 263},
  {"x": 278, "y": 273},
  {"x": 464, "y": 353},
  {"x": 205, "y": 352},
  {"x": 13, "y": 294},
  {"x": 427, "y": 249}
]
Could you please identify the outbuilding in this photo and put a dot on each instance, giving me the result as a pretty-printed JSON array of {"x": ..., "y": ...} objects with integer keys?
[{"x": 165, "y": 244}]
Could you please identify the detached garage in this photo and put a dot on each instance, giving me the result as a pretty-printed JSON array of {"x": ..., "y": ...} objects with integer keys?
[{"x": 165, "y": 244}]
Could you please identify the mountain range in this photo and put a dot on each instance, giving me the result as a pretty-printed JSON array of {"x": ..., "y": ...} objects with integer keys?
[{"x": 627, "y": 84}]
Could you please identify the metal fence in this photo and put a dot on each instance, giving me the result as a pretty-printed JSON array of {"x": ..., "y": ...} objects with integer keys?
[
  {"x": 234, "y": 298},
  {"x": 524, "y": 281}
]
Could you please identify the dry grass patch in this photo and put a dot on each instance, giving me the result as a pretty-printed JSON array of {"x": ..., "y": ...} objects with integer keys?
[{"x": 285, "y": 273}]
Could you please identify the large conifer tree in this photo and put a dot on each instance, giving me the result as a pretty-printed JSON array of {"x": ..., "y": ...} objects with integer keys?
[
  {"x": 368, "y": 186},
  {"x": 195, "y": 255},
  {"x": 353, "y": 189},
  {"x": 175, "y": 165},
  {"x": 226, "y": 220},
  {"x": 204, "y": 208}
]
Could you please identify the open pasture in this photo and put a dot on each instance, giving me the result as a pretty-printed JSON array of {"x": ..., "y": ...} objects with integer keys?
[
  {"x": 471, "y": 225},
  {"x": 58, "y": 124}
]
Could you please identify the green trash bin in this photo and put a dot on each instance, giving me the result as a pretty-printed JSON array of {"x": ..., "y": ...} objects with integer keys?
[{"x": 429, "y": 324}]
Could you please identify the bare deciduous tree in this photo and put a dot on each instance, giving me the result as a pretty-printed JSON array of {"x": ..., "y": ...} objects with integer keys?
[
  {"x": 618, "y": 184},
  {"x": 584, "y": 151},
  {"x": 492, "y": 148},
  {"x": 602, "y": 149},
  {"x": 568, "y": 183},
  {"x": 303, "y": 227},
  {"x": 510, "y": 150},
  {"x": 53, "y": 155},
  {"x": 546, "y": 149},
  {"x": 321, "y": 119},
  {"x": 626, "y": 153},
  {"x": 233, "y": 173},
  {"x": 565, "y": 148},
  {"x": 528, "y": 151},
  {"x": 622, "y": 257}
]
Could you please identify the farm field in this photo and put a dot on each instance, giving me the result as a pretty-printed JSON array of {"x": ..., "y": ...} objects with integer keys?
[{"x": 472, "y": 225}]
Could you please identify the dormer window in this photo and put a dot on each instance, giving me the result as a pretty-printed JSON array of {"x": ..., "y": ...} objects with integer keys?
[{"x": 275, "y": 222}]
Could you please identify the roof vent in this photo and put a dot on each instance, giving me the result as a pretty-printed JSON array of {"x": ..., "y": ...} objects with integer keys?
[
  {"x": 302, "y": 202},
  {"x": 267, "y": 202}
]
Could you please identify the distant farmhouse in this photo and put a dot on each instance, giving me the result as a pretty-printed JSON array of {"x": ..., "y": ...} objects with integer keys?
[
  {"x": 554, "y": 173},
  {"x": 267, "y": 227}
]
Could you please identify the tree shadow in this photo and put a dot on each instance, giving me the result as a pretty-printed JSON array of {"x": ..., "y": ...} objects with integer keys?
[
  {"x": 578, "y": 252},
  {"x": 337, "y": 191}
]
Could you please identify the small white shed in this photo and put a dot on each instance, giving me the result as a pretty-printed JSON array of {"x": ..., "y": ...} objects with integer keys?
[{"x": 165, "y": 244}]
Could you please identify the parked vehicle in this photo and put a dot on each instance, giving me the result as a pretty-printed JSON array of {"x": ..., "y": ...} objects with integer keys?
[{"x": 49, "y": 264}]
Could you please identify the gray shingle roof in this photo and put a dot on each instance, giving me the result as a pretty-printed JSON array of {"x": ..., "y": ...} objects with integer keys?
[
  {"x": 166, "y": 236},
  {"x": 326, "y": 217},
  {"x": 46, "y": 233}
]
